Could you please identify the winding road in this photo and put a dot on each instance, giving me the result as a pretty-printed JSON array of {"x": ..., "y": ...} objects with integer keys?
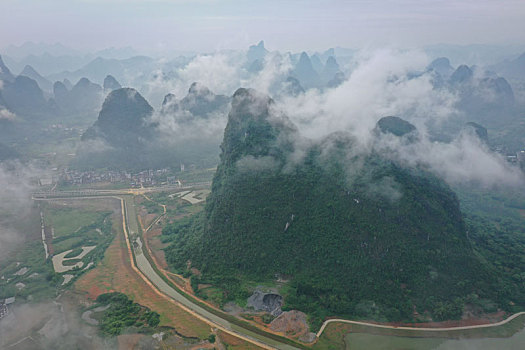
[{"x": 143, "y": 268}]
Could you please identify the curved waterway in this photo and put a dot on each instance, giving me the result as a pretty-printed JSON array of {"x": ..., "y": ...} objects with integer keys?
[
  {"x": 510, "y": 335},
  {"x": 145, "y": 267}
]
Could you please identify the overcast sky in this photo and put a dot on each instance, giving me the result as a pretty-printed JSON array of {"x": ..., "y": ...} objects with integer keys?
[{"x": 207, "y": 25}]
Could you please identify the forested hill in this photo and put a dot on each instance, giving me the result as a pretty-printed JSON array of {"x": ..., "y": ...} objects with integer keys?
[
  {"x": 356, "y": 233},
  {"x": 122, "y": 121}
]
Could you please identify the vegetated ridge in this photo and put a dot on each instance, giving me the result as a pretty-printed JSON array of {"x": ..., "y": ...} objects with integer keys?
[{"x": 358, "y": 234}]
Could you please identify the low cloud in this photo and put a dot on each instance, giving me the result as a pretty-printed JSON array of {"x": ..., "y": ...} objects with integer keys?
[
  {"x": 221, "y": 72},
  {"x": 257, "y": 164},
  {"x": 52, "y": 325},
  {"x": 380, "y": 83},
  {"x": 6, "y": 114},
  {"x": 173, "y": 130},
  {"x": 465, "y": 160},
  {"x": 94, "y": 146},
  {"x": 386, "y": 83},
  {"x": 16, "y": 183}
]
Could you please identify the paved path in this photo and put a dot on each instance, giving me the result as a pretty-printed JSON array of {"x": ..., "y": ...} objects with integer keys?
[
  {"x": 444, "y": 329},
  {"x": 146, "y": 271},
  {"x": 143, "y": 268}
]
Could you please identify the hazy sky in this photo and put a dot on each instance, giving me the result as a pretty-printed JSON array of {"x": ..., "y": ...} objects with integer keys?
[{"x": 206, "y": 25}]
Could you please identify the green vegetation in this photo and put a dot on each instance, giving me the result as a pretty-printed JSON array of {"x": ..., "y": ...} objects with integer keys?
[
  {"x": 123, "y": 315},
  {"x": 198, "y": 175},
  {"x": 67, "y": 220},
  {"x": 496, "y": 228},
  {"x": 175, "y": 206},
  {"x": 395, "y": 125},
  {"x": 87, "y": 236},
  {"x": 40, "y": 280},
  {"x": 92, "y": 226},
  {"x": 211, "y": 338},
  {"x": 74, "y": 253},
  {"x": 360, "y": 236}
]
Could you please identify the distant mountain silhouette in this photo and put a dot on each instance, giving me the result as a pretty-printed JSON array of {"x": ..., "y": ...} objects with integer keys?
[
  {"x": 331, "y": 69},
  {"x": 200, "y": 102},
  {"x": 30, "y": 72},
  {"x": 337, "y": 80},
  {"x": 442, "y": 66},
  {"x": 291, "y": 87},
  {"x": 483, "y": 97},
  {"x": 25, "y": 98},
  {"x": 67, "y": 84},
  {"x": 514, "y": 69},
  {"x": 99, "y": 68},
  {"x": 84, "y": 97},
  {"x": 5, "y": 73},
  {"x": 256, "y": 52},
  {"x": 110, "y": 83},
  {"x": 256, "y": 66},
  {"x": 316, "y": 63},
  {"x": 395, "y": 126},
  {"x": 462, "y": 74},
  {"x": 305, "y": 72},
  {"x": 122, "y": 120}
]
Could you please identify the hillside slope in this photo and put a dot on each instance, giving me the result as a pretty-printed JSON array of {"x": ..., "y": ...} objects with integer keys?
[{"x": 357, "y": 233}]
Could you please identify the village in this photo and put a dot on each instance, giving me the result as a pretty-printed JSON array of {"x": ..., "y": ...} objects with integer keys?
[
  {"x": 145, "y": 178},
  {"x": 4, "y": 310}
]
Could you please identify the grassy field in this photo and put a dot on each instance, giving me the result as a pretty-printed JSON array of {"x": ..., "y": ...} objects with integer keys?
[
  {"x": 28, "y": 275},
  {"x": 198, "y": 175},
  {"x": 38, "y": 279},
  {"x": 76, "y": 223},
  {"x": 67, "y": 221},
  {"x": 24, "y": 264},
  {"x": 235, "y": 343},
  {"x": 114, "y": 273},
  {"x": 339, "y": 335},
  {"x": 176, "y": 207}
]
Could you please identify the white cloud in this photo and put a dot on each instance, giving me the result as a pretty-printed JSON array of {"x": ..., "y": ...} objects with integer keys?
[
  {"x": 16, "y": 184},
  {"x": 5, "y": 114}
]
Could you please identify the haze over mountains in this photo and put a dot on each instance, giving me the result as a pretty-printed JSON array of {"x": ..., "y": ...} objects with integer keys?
[
  {"x": 276, "y": 169},
  {"x": 341, "y": 174},
  {"x": 473, "y": 93}
]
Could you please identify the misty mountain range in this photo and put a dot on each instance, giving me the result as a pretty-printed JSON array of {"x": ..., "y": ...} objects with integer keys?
[
  {"x": 316, "y": 70},
  {"x": 483, "y": 95}
]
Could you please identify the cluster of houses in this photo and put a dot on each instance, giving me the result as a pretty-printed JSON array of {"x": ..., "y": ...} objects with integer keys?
[
  {"x": 4, "y": 310},
  {"x": 518, "y": 159},
  {"x": 149, "y": 177}
]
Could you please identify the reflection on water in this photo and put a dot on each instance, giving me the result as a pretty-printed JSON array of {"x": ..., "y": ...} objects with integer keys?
[{"x": 466, "y": 340}]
